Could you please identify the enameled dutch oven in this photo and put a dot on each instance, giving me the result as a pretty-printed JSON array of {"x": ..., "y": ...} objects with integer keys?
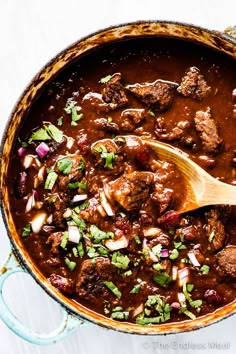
[{"x": 18, "y": 261}]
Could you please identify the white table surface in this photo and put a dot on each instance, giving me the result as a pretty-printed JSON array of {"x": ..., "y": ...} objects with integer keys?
[{"x": 31, "y": 32}]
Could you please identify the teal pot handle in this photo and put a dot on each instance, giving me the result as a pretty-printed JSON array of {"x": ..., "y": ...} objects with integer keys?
[{"x": 69, "y": 324}]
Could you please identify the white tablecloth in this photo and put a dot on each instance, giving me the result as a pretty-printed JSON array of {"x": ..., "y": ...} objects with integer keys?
[{"x": 31, "y": 32}]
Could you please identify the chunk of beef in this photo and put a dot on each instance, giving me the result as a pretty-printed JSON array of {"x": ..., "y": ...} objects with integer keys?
[
  {"x": 194, "y": 85},
  {"x": 113, "y": 93},
  {"x": 166, "y": 266},
  {"x": 132, "y": 189},
  {"x": 55, "y": 240},
  {"x": 21, "y": 184},
  {"x": 214, "y": 229},
  {"x": 163, "y": 196},
  {"x": 190, "y": 233},
  {"x": 64, "y": 285},
  {"x": 106, "y": 125},
  {"x": 162, "y": 239},
  {"x": 83, "y": 142},
  {"x": 208, "y": 131},
  {"x": 108, "y": 144},
  {"x": 158, "y": 94},
  {"x": 75, "y": 173},
  {"x": 93, "y": 273},
  {"x": 162, "y": 134},
  {"x": 130, "y": 118},
  {"x": 56, "y": 206},
  {"x": 227, "y": 261}
]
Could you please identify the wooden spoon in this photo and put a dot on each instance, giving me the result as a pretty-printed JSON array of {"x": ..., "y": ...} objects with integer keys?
[{"x": 202, "y": 188}]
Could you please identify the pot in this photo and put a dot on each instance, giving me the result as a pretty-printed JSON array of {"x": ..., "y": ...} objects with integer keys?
[{"x": 75, "y": 314}]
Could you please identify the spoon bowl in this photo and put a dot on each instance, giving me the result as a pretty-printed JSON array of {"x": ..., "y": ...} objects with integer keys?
[{"x": 202, "y": 188}]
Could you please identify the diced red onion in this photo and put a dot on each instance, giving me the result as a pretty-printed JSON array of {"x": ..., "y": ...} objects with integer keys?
[
  {"x": 101, "y": 211},
  {"x": 107, "y": 191},
  {"x": 181, "y": 298},
  {"x": 48, "y": 230},
  {"x": 50, "y": 219},
  {"x": 151, "y": 231},
  {"x": 38, "y": 221},
  {"x": 21, "y": 151},
  {"x": 42, "y": 149},
  {"x": 175, "y": 305},
  {"x": 183, "y": 276},
  {"x": 70, "y": 142},
  {"x": 193, "y": 259},
  {"x": 164, "y": 253},
  {"x": 67, "y": 213},
  {"x": 42, "y": 173},
  {"x": 79, "y": 198},
  {"x": 174, "y": 272},
  {"x": 28, "y": 160},
  {"x": 138, "y": 310},
  {"x": 114, "y": 245},
  {"x": 74, "y": 234},
  {"x": 153, "y": 257},
  {"x": 30, "y": 203},
  {"x": 105, "y": 203}
]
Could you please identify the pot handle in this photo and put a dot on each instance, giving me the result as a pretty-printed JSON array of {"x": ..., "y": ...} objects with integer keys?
[{"x": 69, "y": 324}]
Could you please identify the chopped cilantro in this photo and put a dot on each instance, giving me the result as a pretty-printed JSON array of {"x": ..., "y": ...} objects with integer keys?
[
  {"x": 50, "y": 180},
  {"x": 157, "y": 250},
  {"x": 80, "y": 249},
  {"x": 179, "y": 245},
  {"x": 105, "y": 79},
  {"x": 120, "y": 261},
  {"x": 91, "y": 252},
  {"x": 82, "y": 206},
  {"x": 204, "y": 269},
  {"x": 76, "y": 185},
  {"x": 79, "y": 222},
  {"x": 162, "y": 279},
  {"x": 102, "y": 250},
  {"x": 23, "y": 143},
  {"x": 70, "y": 264},
  {"x": 157, "y": 266},
  {"x": 75, "y": 252},
  {"x": 135, "y": 289},
  {"x": 120, "y": 315},
  {"x": 60, "y": 121},
  {"x": 137, "y": 240},
  {"x": 26, "y": 230},
  {"x": 151, "y": 113},
  {"x": 109, "y": 157},
  {"x": 189, "y": 287},
  {"x": 54, "y": 132},
  {"x": 113, "y": 288},
  {"x": 98, "y": 235},
  {"x": 65, "y": 165},
  {"x": 40, "y": 134},
  {"x": 117, "y": 308},
  {"x": 174, "y": 254},
  {"x": 64, "y": 240},
  {"x": 73, "y": 110},
  {"x": 196, "y": 303},
  {"x": 188, "y": 313}
]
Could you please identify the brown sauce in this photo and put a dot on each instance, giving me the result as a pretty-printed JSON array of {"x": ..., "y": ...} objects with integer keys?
[{"x": 116, "y": 198}]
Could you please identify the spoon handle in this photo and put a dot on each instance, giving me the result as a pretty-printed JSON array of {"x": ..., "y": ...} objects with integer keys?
[{"x": 217, "y": 192}]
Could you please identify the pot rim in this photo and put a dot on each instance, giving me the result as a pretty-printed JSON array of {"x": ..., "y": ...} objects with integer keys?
[{"x": 89, "y": 315}]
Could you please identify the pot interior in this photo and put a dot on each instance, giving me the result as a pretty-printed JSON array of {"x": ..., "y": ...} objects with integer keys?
[{"x": 211, "y": 39}]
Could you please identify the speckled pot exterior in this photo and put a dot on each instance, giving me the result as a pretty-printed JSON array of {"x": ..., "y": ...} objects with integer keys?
[{"x": 221, "y": 42}]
